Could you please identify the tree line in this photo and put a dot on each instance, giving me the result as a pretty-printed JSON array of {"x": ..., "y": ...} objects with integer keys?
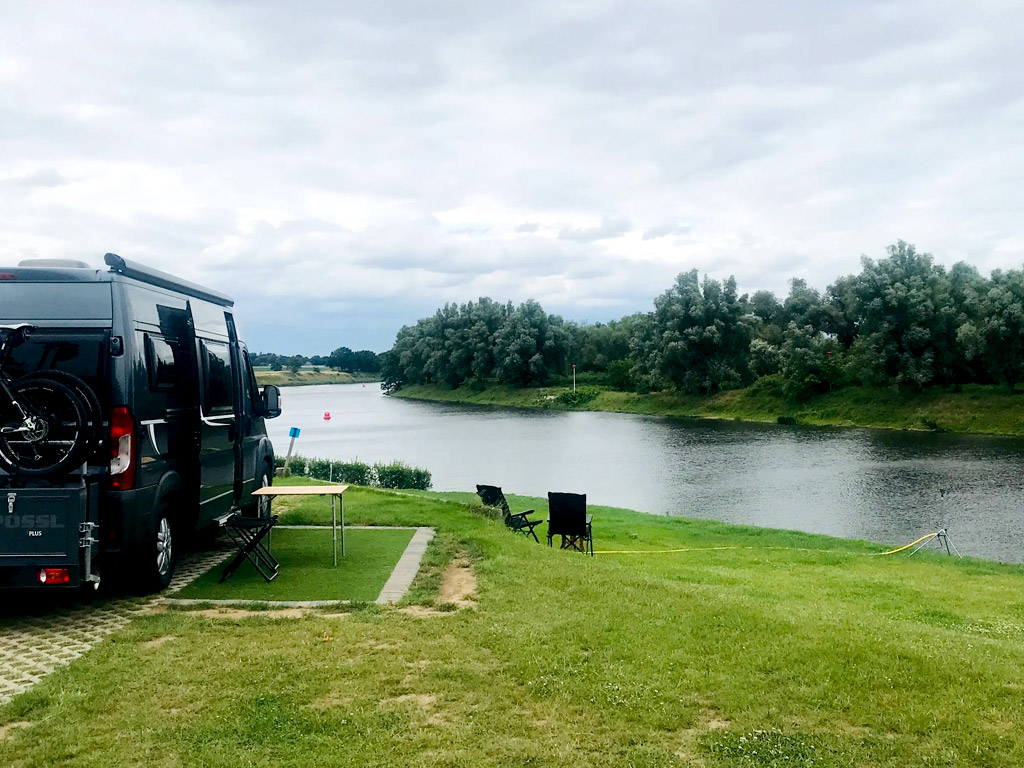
[
  {"x": 341, "y": 359},
  {"x": 903, "y": 320}
]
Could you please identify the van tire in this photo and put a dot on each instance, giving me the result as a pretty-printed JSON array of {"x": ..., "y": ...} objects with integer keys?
[
  {"x": 261, "y": 506},
  {"x": 158, "y": 556}
]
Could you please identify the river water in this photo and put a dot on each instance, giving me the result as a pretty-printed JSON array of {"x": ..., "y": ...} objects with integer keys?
[{"x": 856, "y": 483}]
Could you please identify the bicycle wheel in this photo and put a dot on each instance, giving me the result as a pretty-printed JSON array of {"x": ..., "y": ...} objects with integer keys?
[
  {"x": 91, "y": 403},
  {"x": 53, "y": 437}
]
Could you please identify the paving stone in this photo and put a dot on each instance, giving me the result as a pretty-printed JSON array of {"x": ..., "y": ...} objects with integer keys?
[{"x": 37, "y": 644}]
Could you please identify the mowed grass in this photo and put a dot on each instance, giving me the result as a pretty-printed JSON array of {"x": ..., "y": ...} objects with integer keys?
[
  {"x": 307, "y": 568},
  {"x": 759, "y": 648}
]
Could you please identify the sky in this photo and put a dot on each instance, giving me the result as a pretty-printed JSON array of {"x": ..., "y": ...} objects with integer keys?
[{"x": 345, "y": 168}]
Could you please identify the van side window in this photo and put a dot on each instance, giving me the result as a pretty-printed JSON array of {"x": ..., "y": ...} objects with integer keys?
[
  {"x": 254, "y": 388},
  {"x": 160, "y": 363},
  {"x": 219, "y": 388}
]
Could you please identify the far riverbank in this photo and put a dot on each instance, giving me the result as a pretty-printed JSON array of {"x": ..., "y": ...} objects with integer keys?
[
  {"x": 977, "y": 409},
  {"x": 308, "y": 377}
]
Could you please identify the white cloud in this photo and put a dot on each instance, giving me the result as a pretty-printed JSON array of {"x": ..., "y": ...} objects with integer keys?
[{"x": 364, "y": 163}]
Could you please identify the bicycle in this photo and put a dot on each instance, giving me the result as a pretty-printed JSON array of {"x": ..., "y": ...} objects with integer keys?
[{"x": 45, "y": 427}]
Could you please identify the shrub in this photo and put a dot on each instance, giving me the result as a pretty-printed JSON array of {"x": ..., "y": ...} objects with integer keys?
[
  {"x": 581, "y": 396},
  {"x": 297, "y": 465},
  {"x": 400, "y": 475},
  {"x": 354, "y": 472},
  {"x": 394, "y": 475}
]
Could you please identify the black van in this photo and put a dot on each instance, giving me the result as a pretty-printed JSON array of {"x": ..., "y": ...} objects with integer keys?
[{"x": 183, "y": 442}]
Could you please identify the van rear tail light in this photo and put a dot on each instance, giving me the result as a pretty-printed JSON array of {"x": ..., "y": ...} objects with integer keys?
[
  {"x": 122, "y": 449},
  {"x": 53, "y": 576}
]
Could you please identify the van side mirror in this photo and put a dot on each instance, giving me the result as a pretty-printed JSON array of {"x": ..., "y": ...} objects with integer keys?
[{"x": 271, "y": 402}]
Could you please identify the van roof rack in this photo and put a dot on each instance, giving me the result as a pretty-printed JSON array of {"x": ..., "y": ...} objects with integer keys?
[
  {"x": 54, "y": 263},
  {"x": 155, "y": 277}
]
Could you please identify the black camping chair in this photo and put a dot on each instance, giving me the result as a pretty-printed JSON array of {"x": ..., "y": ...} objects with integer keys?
[
  {"x": 492, "y": 496},
  {"x": 248, "y": 533},
  {"x": 568, "y": 518}
]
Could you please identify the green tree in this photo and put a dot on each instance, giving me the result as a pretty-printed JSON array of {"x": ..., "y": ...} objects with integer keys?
[
  {"x": 903, "y": 310},
  {"x": 996, "y": 334},
  {"x": 810, "y": 362},
  {"x": 701, "y": 335},
  {"x": 530, "y": 347}
]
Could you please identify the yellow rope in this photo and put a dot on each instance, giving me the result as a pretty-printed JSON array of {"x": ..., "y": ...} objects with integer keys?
[
  {"x": 702, "y": 549},
  {"x": 907, "y": 546}
]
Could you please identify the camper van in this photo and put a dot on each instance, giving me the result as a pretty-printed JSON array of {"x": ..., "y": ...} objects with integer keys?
[{"x": 172, "y": 440}]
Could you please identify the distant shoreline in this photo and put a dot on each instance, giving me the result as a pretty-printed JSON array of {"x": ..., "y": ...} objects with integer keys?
[
  {"x": 978, "y": 409},
  {"x": 306, "y": 378}
]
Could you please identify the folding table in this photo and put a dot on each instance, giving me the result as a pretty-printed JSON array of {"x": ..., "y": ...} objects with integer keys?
[{"x": 337, "y": 504}]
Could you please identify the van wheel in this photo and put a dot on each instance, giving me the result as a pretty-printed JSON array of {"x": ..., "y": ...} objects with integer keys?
[
  {"x": 263, "y": 502},
  {"x": 158, "y": 558},
  {"x": 260, "y": 507}
]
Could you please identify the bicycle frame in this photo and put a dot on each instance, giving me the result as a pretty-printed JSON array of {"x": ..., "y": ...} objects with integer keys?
[{"x": 15, "y": 336}]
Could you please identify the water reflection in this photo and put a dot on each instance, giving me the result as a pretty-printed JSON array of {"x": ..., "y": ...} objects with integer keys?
[{"x": 856, "y": 483}]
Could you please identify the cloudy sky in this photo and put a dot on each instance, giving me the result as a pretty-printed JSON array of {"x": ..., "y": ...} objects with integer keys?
[{"x": 344, "y": 168}]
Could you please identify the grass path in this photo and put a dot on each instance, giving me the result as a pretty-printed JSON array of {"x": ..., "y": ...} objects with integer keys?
[{"x": 793, "y": 649}]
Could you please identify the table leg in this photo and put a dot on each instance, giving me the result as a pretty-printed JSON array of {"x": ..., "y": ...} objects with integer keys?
[
  {"x": 341, "y": 504},
  {"x": 334, "y": 529}
]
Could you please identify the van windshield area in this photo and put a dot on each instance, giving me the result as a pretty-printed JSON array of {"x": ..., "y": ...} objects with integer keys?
[{"x": 80, "y": 352}]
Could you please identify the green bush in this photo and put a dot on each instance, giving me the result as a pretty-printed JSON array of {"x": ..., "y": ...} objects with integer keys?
[
  {"x": 354, "y": 472},
  {"x": 400, "y": 475},
  {"x": 581, "y": 396},
  {"x": 394, "y": 475},
  {"x": 297, "y": 466}
]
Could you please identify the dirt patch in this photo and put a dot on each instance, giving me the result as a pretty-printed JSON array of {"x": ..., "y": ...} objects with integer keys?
[
  {"x": 7, "y": 731},
  {"x": 416, "y": 669},
  {"x": 156, "y": 642},
  {"x": 458, "y": 586},
  {"x": 850, "y": 730},
  {"x": 424, "y": 612},
  {"x": 331, "y": 700},
  {"x": 242, "y": 613},
  {"x": 421, "y": 700}
]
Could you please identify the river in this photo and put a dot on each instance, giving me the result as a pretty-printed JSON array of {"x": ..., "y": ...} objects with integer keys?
[{"x": 857, "y": 483}]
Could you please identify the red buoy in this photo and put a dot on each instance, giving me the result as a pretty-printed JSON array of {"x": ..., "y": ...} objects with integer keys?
[{"x": 327, "y": 415}]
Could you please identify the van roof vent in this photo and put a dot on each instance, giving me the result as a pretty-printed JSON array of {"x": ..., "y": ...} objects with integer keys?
[{"x": 54, "y": 263}]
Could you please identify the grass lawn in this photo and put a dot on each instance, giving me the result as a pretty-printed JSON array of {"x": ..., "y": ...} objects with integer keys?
[
  {"x": 307, "y": 570},
  {"x": 783, "y": 649}
]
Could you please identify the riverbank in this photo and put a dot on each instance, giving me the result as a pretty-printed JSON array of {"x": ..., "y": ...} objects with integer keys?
[
  {"x": 977, "y": 409},
  {"x": 308, "y": 377},
  {"x": 749, "y": 647}
]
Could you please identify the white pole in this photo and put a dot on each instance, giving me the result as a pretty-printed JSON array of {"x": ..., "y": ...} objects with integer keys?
[
  {"x": 574, "y": 377},
  {"x": 288, "y": 458}
]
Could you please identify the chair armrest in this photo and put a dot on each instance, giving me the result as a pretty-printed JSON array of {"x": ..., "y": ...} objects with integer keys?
[
  {"x": 522, "y": 514},
  {"x": 590, "y": 519}
]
